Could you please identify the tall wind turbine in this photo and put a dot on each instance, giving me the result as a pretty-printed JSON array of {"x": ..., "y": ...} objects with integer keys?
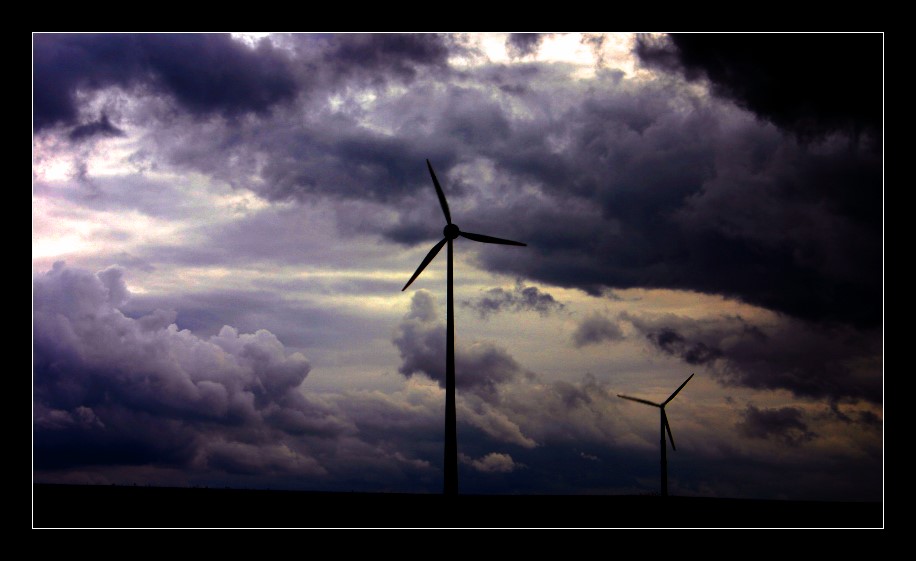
[
  {"x": 664, "y": 427},
  {"x": 451, "y": 232}
]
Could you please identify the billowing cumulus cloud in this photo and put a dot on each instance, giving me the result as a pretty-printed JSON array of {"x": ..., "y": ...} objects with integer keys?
[
  {"x": 114, "y": 390},
  {"x": 810, "y": 360},
  {"x": 518, "y": 299},
  {"x": 420, "y": 338},
  {"x": 785, "y": 424},
  {"x": 596, "y": 328}
]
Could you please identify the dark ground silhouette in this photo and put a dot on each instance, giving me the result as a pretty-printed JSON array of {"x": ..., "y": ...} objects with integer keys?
[{"x": 115, "y": 506}]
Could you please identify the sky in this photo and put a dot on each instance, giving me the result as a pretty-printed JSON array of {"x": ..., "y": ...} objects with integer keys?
[{"x": 222, "y": 226}]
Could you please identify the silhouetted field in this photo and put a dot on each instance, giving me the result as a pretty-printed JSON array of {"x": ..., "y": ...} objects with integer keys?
[{"x": 113, "y": 507}]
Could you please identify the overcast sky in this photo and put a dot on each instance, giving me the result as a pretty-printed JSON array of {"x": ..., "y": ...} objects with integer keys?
[{"x": 222, "y": 225}]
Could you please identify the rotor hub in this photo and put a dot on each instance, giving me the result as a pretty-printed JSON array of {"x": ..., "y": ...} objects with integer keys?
[{"x": 451, "y": 232}]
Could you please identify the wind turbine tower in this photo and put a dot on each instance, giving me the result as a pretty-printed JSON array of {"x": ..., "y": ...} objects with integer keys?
[
  {"x": 664, "y": 427},
  {"x": 451, "y": 232}
]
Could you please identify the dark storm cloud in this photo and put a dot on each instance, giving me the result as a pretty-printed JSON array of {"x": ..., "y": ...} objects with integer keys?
[
  {"x": 112, "y": 390},
  {"x": 523, "y": 44},
  {"x": 102, "y": 127},
  {"x": 785, "y": 424},
  {"x": 702, "y": 199},
  {"x": 869, "y": 419},
  {"x": 420, "y": 338},
  {"x": 518, "y": 299},
  {"x": 671, "y": 342},
  {"x": 327, "y": 151},
  {"x": 835, "y": 362},
  {"x": 812, "y": 84},
  {"x": 205, "y": 74},
  {"x": 383, "y": 55},
  {"x": 594, "y": 329},
  {"x": 613, "y": 182},
  {"x": 347, "y": 162},
  {"x": 624, "y": 184}
]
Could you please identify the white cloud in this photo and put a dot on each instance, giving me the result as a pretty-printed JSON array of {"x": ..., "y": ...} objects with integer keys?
[{"x": 494, "y": 462}]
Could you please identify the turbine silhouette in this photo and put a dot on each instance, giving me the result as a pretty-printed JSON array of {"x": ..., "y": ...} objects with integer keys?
[
  {"x": 664, "y": 427},
  {"x": 451, "y": 232}
]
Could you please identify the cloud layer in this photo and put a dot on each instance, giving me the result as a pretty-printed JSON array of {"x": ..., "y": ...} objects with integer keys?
[
  {"x": 815, "y": 362},
  {"x": 784, "y": 424},
  {"x": 232, "y": 408},
  {"x": 594, "y": 329},
  {"x": 519, "y": 298},
  {"x": 619, "y": 183}
]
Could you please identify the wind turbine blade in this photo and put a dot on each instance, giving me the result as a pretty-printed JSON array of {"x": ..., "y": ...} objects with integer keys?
[
  {"x": 677, "y": 390},
  {"x": 489, "y": 239},
  {"x": 668, "y": 428},
  {"x": 440, "y": 193},
  {"x": 429, "y": 257},
  {"x": 639, "y": 400}
]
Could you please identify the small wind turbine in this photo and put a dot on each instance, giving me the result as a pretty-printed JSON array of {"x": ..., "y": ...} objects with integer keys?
[
  {"x": 451, "y": 232},
  {"x": 664, "y": 427}
]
